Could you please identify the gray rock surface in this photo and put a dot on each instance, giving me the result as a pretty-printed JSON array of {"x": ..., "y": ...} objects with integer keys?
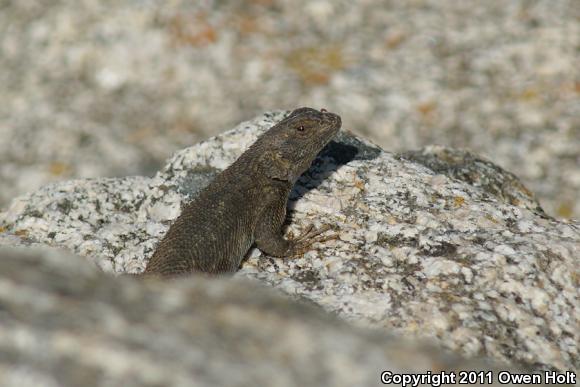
[
  {"x": 110, "y": 88},
  {"x": 65, "y": 323},
  {"x": 474, "y": 170},
  {"x": 420, "y": 254}
]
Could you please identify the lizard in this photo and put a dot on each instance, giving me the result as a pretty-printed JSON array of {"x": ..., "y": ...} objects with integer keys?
[{"x": 246, "y": 203}]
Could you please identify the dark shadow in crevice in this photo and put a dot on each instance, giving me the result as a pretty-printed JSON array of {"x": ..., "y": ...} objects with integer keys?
[{"x": 345, "y": 148}]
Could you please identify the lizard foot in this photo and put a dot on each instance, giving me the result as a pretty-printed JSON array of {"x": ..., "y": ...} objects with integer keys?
[{"x": 304, "y": 242}]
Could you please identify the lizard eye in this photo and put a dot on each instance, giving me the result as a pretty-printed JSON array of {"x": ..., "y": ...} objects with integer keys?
[{"x": 300, "y": 128}]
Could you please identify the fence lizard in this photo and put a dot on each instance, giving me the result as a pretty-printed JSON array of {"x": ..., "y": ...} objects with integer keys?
[{"x": 246, "y": 203}]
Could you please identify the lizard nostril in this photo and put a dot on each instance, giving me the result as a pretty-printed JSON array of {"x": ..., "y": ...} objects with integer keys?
[{"x": 323, "y": 110}]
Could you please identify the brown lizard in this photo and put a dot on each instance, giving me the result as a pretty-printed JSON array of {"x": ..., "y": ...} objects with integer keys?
[{"x": 246, "y": 203}]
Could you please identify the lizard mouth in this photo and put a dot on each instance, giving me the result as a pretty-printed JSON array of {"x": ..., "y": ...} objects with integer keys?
[
  {"x": 334, "y": 119},
  {"x": 328, "y": 116},
  {"x": 332, "y": 122}
]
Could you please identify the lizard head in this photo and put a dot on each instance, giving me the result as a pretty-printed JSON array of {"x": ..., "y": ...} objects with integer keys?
[{"x": 289, "y": 147}]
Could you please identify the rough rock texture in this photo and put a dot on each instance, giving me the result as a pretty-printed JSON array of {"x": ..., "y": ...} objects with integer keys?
[
  {"x": 420, "y": 254},
  {"x": 65, "y": 323},
  {"x": 109, "y": 88},
  {"x": 474, "y": 170}
]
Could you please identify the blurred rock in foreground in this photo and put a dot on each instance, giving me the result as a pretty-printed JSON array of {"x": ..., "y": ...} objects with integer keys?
[{"x": 437, "y": 244}]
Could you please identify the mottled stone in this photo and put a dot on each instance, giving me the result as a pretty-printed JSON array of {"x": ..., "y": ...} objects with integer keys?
[
  {"x": 98, "y": 88},
  {"x": 65, "y": 323},
  {"x": 419, "y": 253},
  {"x": 477, "y": 171}
]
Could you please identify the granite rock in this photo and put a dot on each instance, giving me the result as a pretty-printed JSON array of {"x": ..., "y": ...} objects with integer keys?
[
  {"x": 65, "y": 323},
  {"x": 421, "y": 253},
  {"x": 97, "y": 88}
]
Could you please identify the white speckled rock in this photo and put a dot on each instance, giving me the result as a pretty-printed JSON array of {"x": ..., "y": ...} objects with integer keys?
[
  {"x": 64, "y": 323},
  {"x": 471, "y": 263},
  {"x": 97, "y": 88}
]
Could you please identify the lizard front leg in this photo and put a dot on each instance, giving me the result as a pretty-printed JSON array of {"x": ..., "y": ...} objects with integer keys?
[{"x": 269, "y": 236}]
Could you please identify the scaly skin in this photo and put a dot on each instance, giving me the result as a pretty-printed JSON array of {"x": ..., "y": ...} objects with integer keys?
[{"x": 246, "y": 203}]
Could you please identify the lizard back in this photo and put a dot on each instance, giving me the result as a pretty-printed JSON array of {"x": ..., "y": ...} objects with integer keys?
[
  {"x": 213, "y": 232},
  {"x": 246, "y": 203}
]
